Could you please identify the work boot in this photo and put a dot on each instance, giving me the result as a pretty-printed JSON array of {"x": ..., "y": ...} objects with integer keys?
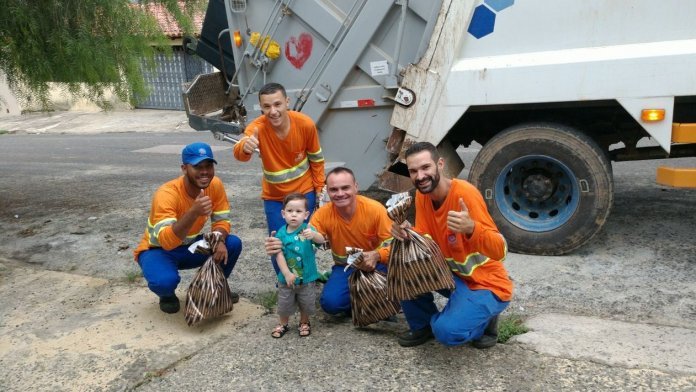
[
  {"x": 415, "y": 338},
  {"x": 490, "y": 335},
  {"x": 390, "y": 319},
  {"x": 339, "y": 317},
  {"x": 169, "y": 304},
  {"x": 235, "y": 297}
]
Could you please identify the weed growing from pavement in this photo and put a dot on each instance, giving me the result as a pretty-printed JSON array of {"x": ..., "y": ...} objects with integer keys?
[
  {"x": 510, "y": 326},
  {"x": 132, "y": 276},
  {"x": 154, "y": 373},
  {"x": 3, "y": 132},
  {"x": 269, "y": 300}
]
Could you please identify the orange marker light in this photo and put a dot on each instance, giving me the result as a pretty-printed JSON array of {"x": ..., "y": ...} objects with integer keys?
[
  {"x": 237, "y": 38},
  {"x": 652, "y": 115}
]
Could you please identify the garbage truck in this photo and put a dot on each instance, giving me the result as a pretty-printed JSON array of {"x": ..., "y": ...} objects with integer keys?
[{"x": 550, "y": 92}]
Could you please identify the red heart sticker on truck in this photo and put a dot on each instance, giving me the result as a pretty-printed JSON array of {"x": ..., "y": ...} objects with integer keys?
[{"x": 298, "y": 49}]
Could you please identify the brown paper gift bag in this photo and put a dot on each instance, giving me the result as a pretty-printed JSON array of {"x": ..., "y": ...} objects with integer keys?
[
  {"x": 416, "y": 264},
  {"x": 368, "y": 293},
  {"x": 209, "y": 294}
]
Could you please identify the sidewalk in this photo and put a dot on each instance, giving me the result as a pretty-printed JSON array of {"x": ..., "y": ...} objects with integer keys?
[{"x": 73, "y": 122}]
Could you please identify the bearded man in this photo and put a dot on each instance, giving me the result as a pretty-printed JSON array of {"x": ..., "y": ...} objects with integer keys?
[{"x": 453, "y": 213}]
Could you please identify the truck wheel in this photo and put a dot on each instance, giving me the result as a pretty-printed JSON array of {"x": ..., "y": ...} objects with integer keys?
[{"x": 548, "y": 187}]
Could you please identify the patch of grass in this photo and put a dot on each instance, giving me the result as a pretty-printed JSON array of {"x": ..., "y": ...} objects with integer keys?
[
  {"x": 510, "y": 326},
  {"x": 269, "y": 300},
  {"x": 154, "y": 373},
  {"x": 133, "y": 276},
  {"x": 3, "y": 131}
]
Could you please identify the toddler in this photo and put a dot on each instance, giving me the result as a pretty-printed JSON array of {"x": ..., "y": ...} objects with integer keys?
[{"x": 298, "y": 268}]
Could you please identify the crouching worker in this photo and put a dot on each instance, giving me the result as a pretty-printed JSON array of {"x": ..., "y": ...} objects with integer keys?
[
  {"x": 454, "y": 214},
  {"x": 180, "y": 209},
  {"x": 348, "y": 220}
]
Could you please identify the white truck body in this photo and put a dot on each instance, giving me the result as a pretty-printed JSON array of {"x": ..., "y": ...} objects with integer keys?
[
  {"x": 640, "y": 53},
  {"x": 551, "y": 90}
]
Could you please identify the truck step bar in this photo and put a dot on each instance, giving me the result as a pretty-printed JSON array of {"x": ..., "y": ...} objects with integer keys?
[
  {"x": 679, "y": 177},
  {"x": 676, "y": 177},
  {"x": 683, "y": 133}
]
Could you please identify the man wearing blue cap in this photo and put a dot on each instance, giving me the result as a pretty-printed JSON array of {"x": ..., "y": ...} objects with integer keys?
[{"x": 180, "y": 209}]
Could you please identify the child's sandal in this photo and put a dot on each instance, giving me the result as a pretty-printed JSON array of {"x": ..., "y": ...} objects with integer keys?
[
  {"x": 279, "y": 331},
  {"x": 305, "y": 329}
]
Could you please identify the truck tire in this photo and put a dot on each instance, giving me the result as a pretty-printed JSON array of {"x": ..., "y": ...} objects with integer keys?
[{"x": 548, "y": 187}]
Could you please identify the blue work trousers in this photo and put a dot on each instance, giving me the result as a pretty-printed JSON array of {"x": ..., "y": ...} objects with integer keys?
[
  {"x": 275, "y": 220},
  {"x": 335, "y": 298},
  {"x": 161, "y": 267},
  {"x": 462, "y": 320}
]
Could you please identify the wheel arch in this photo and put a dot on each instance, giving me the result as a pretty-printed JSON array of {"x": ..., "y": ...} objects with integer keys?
[{"x": 606, "y": 121}]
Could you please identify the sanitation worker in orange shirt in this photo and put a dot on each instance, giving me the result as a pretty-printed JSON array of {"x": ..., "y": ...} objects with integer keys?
[
  {"x": 180, "y": 210},
  {"x": 454, "y": 214},
  {"x": 291, "y": 156},
  {"x": 348, "y": 220}
]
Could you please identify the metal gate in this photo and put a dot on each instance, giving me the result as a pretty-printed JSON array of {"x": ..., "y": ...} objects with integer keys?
[{"x": 166, "y": 81}]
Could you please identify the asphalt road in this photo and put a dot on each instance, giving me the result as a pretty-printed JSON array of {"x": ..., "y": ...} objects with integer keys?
[{"x": 618, "y": 314}]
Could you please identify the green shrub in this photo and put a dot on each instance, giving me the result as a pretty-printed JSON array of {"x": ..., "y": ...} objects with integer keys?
[
  {"x": 269, "y": 300},
  {"x": 510, "y": 326},
  {"x": 133, "y": 276}
]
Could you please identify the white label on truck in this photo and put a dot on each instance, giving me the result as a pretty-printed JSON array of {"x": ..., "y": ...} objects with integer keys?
[
  {"x": 360, "y": 103},
  {"x": 378, "y": 68}
]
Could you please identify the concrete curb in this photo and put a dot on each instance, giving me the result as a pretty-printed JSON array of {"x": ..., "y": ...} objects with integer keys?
[{"x": 615, "y": 343}]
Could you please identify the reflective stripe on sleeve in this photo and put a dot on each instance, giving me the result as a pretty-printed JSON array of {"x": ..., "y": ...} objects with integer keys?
[
  {"x": 343, "y": 260},
  {"x": 473, "y": 261},
  {"x": 466, "y": 268},
  {"x": 505, "y": 252},
  {"x": 190, "y": 239},
  {"x": 154, "y": 230},
  {"x": 386, "y": 242},
  {"x": 315, "y": 156},
  {"x": 218, "y": 216},
  {"x": 153, "y": 233}
]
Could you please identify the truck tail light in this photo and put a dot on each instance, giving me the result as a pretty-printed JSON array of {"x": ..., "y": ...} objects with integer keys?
[
  {"x": 652, "y": 115},
  {"x": 237, "y": 38}
]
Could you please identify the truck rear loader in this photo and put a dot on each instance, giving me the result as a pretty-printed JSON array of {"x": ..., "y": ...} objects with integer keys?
[{"x": 551, "y": 91}]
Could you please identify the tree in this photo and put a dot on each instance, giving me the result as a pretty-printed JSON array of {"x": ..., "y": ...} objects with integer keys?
[{"x": 93, "y": 46}]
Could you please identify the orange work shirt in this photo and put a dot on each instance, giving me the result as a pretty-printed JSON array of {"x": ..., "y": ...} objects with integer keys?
[
  {"x": 476, "y": 260},
  {"x": 292, "y": 164},
  {"x": 368, "y": 229},
  {"x": 169, "y": 203}
]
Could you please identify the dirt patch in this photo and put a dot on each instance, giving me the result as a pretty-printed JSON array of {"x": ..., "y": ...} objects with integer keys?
[{"x": 60, "y": 331}]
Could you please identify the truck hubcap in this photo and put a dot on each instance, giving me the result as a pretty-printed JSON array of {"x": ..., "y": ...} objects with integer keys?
[
  {"x": 537, "y": 193},
  {"x": 537, "y": 187}
]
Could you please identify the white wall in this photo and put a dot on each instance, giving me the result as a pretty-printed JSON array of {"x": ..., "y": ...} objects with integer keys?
[
  {"x": 8, "y": 103},
  {"x": 59, "y": 97}
]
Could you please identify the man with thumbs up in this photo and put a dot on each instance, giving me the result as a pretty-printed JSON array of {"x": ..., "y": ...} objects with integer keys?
[
  {"x": 291, "y": 156},
  {"x": 180, "y": 209},
  {"x": 453, "y": 213}
]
